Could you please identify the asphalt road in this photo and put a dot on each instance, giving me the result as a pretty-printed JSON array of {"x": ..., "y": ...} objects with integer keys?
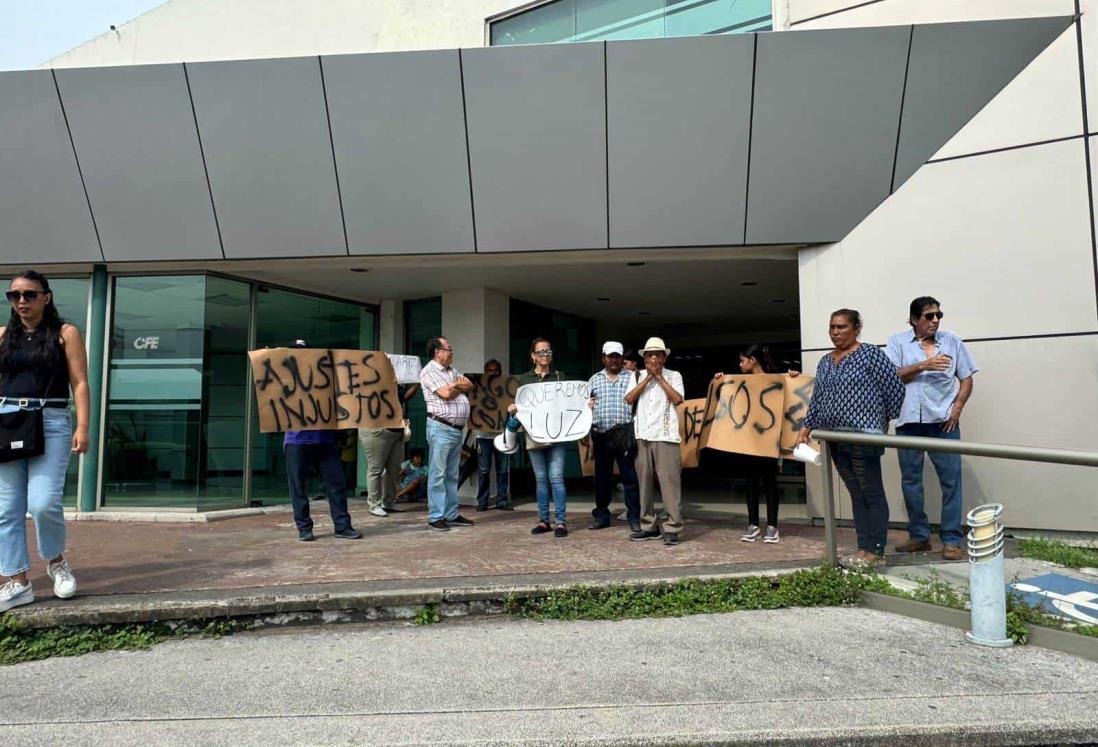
[{"x": 819, "y": 676}]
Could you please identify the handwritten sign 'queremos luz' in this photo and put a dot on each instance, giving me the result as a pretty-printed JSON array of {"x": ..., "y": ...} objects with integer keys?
[
  {"x": 301, "y": 389},
  {"x": 554, "y": 411}
]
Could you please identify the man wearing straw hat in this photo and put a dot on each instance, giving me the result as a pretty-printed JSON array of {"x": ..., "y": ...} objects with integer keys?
[{"x": 657, "y": 430}]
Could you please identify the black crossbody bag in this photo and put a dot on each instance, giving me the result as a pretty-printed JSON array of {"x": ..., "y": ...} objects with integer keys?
[
  {"x": 23, "y": 432},
  {"x": 624, "y": 437}
]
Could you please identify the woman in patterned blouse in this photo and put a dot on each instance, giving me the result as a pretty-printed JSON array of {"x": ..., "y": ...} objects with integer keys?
[{"x": 857, "y": 389}]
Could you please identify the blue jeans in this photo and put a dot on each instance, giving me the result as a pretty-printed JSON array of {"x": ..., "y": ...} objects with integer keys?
[
  {"x": 860, "y": 469},
  {"x": 606, "y": 454},
  {"x": 35, "y": 486},
  {"x": 442, "y": 473},
  {"x": 486, "y": 449},
  {"x": 548, "y": 464},
  {"x": 948, "y": 467},
  {"x": 300, "y": 459}
]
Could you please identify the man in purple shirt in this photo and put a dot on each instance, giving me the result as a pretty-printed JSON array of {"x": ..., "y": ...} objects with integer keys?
[{"x": 304, "y": 451}]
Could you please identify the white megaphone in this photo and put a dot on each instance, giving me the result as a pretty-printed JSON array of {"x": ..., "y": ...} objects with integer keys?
[{"x": 506, "y": 442}]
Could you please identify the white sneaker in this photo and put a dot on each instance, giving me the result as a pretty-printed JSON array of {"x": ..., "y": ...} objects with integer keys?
[
  {"x": 379, "y": 511},
  {"x": 13, "y": 594},
  {"x": 64, "y": 583},
  {"x": 772, "y": 535},
  {"x": 752, "y": 534}
]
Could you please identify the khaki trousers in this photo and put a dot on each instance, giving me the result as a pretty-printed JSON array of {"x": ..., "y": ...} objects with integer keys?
[
  {"x": 384, "y": 449},
  {"x": 664, "y": 459}
]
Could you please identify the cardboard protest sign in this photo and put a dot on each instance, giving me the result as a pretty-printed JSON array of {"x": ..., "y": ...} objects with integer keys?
[
  {"x": 303, "y": 389},
  {"x": 691, "y": 416},
  {"x": 587, "y": 456},
  {"x": 554, "y": 411},
  {"x": 406, "y": 367},
  {"x": 489, "y": 402},
  {"x": 755, "y": 413}
]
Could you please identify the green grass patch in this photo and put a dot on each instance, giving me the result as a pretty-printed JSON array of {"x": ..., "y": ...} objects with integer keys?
[
  {"x": 427, "y": 614},
  {"x": 19, "y": 642},
  {"x": 817, "y": 587},
  {"x": 1059, "y": 552}
]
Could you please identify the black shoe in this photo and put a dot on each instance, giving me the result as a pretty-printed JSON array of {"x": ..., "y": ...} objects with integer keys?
[
  {"x": 482, "y": 508},
  {"x": 460, "y": 521},
  {"x": 541, "y": 528},
  {"x": 634, "y": 525},
  {"x": 439, "y": 524},
  {"x": 350, "y": 533},
  {"x": 600, "y": 524},
  {"x": 505, "y": 506},
  {"x": 670, "y": 539},
  {"x": 394, "y": 510},
  {"x": 560, "y": 531},
  {"x": 306, "y": 535},
  {"x": 641, "y": 535}
]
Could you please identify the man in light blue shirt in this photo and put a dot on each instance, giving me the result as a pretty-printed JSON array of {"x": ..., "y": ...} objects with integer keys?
[{"x": 937, "y": 370}]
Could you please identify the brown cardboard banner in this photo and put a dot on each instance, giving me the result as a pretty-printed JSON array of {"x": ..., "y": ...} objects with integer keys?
[
  {"x": 305, "y": 389},
  {"x": 755, "y": 414},
  {"x": 691, "y": 416},
  {"x": 489, "y": 402}
]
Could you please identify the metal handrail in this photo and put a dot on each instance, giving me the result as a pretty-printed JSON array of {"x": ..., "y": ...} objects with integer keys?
[{"x": 968, "y": 448}]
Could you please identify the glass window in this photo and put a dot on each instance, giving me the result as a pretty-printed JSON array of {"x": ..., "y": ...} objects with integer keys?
[
  {"x": 281, "y": 318},
  {"x": 154, "y": 409},
  {"x": 422, "y": 321},
  {"x": 599, "y": 20},
  {"x": 70, "y": 296}
]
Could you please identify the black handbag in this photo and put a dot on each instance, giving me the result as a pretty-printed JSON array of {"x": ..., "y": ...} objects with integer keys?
[
  {"x": 22, "y": 435},
  {"x": 624, "y": 439}
]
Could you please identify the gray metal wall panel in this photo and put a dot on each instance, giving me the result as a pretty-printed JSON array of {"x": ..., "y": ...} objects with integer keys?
[
  {"x": 135, "y": 135},
  {"x": 955, "y": 69},
  {"x": 827, "y": 108},
  {"x": 399, "y": 134},
  {"x": 678, "y": 120},
  {"x": 537, "y": 142},
  {"x": 44, "y": 214},
  {"x": 269, "y": 155}
]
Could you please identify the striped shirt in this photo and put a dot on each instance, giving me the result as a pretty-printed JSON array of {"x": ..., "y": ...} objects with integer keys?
[
  {"x": 610, "y": 407},
  {"x": 433, "y": 377}
]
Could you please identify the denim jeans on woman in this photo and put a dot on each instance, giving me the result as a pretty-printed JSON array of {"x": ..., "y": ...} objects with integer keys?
[
  {"x": 35, "y": 486},
  {"x": 860, "y": 469},
  {"x": 548, "y": 464}
]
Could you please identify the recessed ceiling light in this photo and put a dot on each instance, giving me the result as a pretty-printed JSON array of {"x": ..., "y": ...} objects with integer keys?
[
  {"x": 360, "y": 269},
  {"x": 748, "y": 283},
  {"x": 603, "y": 298},
  {"x": 635, "y": 264},
  {"x": 645, "y": 313},
  {"x": 777, "y": 300}
]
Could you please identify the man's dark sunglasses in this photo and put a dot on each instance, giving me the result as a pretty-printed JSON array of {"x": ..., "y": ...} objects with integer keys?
[
  {"x": 932, "y": 315},
  {"x": 14, "y": 296}
]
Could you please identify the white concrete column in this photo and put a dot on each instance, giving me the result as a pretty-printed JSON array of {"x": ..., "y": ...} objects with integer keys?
[
  {"x": 477, "y": 322},
  {"x": 391, "y": 326}
]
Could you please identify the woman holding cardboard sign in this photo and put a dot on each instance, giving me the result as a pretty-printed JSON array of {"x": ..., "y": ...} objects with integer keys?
[
  {"x": 546, "y": 459},
  {"x": 756, "y": 359}
]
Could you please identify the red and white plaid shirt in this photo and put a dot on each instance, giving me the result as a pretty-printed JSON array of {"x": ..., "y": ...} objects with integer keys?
[{"x": 433, "y": 377}]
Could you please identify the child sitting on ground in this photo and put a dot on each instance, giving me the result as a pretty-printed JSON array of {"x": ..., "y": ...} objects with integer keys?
[{"x": 413, "y": 478}]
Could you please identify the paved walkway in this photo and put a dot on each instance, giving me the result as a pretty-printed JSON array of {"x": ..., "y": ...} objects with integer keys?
[
  {"x": 792, "y": 677},
  {"x": 262, "y": 551}
]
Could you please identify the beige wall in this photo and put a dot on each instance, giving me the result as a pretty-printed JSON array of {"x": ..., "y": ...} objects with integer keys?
[
  {"x": 1004, "y": 240},
  {"x": 197, "y": 30}
]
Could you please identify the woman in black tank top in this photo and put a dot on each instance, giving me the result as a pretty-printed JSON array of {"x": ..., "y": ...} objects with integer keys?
[{"x": 41, "y": 358}]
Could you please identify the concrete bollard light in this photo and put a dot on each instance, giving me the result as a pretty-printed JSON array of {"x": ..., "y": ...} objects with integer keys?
[{"x": 987, "y": 585}]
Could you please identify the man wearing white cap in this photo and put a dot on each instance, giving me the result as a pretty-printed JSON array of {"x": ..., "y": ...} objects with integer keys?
[
  {"x": 612, "y": 437},
  {"x": 657, "y": 430}
]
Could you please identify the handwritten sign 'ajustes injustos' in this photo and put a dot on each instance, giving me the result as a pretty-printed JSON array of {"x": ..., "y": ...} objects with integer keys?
[
  {"x": 554, "y": 411},
  {"x": 299, "y": 389}
]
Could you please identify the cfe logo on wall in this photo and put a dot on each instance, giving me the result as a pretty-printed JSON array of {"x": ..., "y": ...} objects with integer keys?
[{"x": 147, "y": 343}]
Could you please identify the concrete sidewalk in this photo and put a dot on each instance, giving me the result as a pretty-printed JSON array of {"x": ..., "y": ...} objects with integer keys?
[
  {"x": 130, "y": 572},
  {"x": 831, "y": 676}
]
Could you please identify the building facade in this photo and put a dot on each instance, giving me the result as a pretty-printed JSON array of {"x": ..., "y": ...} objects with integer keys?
[{"x": 750, "y": 184}]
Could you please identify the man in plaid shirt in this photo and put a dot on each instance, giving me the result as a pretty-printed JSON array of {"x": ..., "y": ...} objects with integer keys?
[
  {"x": 613, "y": 423},
  {"x": 445, "y": 391}
]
